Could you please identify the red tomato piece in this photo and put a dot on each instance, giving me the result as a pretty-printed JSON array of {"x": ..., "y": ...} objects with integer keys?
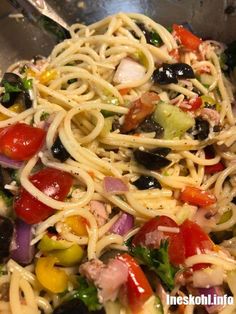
[
  {"x": 124, "y": 91},
  {"x": 174, "y": 53},
  {"x": 187, "y": 39},
  {"x": 52, "y": 182},
  {"x": 21, "y": 141},
  {"x": 196, "y": 241},
  {"x": 137, "y": 286},
  {"x": 151, "y": 237},
  {"x": 139, "y": 110},
  {"x": 196, "y": 196},
  {"x": 192, "y": 104},
  {"x": 214, "y": 168}
]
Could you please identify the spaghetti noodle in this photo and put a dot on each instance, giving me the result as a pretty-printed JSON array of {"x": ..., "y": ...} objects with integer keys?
[{"x": 83, "y": 96}]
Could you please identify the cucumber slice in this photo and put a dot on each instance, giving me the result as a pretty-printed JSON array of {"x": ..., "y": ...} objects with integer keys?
[
  {"x": 174, "y": 121},
  {"x": 153, "y": 306}
]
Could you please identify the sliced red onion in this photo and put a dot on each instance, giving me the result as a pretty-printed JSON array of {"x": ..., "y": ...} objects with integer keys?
[
  {"x": 210, "y": 293},
  {"x": 128, "y": 71},
  {"x": 22, "y": 252},
  {"x": 10, "y": 163},
  {"x": 123, "y": 224},
  {"x": 114, "y": 185}
]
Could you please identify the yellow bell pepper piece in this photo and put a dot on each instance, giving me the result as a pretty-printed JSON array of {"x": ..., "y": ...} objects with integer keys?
[
  {"x": 77, "y": 224},
  {"x": 48, "y": 244},
  {"x": 17, "y": 108},
  {"x": 50, "y": 277},
  {"x": 48, "y": 76},
  {"x": 68, "y": 257}
]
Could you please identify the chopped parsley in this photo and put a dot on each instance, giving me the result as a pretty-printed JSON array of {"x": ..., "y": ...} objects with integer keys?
[
  {"x": 158, "y": 261},
  {"x": 44, "y": 116},
  {"x": 27, "y": 83},
  {"x": 87, "y": 293},
  {"x": 8, "y": 200}
]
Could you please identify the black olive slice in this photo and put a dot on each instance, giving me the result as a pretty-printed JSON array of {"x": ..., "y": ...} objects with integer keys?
[
  {"x": 170, "y": 73},
  {"x": 150, "y": 160},
  {"x": 58, "y": 150},
  {"x": 6, "y": 234},
  {"x": 147, "y": 183}
]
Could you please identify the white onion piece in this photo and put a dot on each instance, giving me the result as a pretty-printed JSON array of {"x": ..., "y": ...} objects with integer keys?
[
  {"x": 208, "y": 277},
  {"x": 128, "y": 71}
]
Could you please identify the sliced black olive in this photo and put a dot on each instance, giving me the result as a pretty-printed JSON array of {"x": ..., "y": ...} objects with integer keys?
[
  {"x": 149, "y": 125},
  {"x": 150, "y": 160},
  {"x": 58, "y": 150},
  {"x": 147, "y": 183},
  {"x": 162, "y": 151},
  {"x": 6, "y": 234},
  {"x": 75, "y": 306},
  {"x": 220, "y": 236},
  {"x": 15, "y": 91},
  {"x": 182, "y": 70},
  {"x": 15, "y": 81},
  {"x": 202, "y": 129},
  {"x": 164, "y": 75},
  {"x": 170, "y": 73}
]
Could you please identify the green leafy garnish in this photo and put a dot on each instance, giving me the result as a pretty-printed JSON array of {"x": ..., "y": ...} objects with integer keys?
[
  {"x": 71, "y": 81},
  {"x": 87, "y": 293},
  {"x": 155, "y": 39},
  {"x": 27, "y": 83},
  {"x": 2, "y": 270},
  {"x": 6, "y": 199},
  {"x": 44, "y": 116},
  {"x": 158, "y": 261},
  {"x": 10, "y": 88}
]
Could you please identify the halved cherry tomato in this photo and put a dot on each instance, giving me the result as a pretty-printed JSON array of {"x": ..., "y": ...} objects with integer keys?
[
  {"x": 21, "y": 141},
  {"x": 139, "y": 110},
  {"x": 210, "y": 153},
  {"x": 187, "y": 39},
  {"x": 149, "y": 236},
  {"x": 137, "y": 286},
  {"x": 52, "y": 182},
  {"x": 196, "y": 196},
  {"x": 196, "y": 241},
  {"x": 192, "y": 104}
]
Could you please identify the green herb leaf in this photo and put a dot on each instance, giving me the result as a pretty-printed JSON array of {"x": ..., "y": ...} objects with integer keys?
[
  {"x": 6, "y": 97},
  {"x": 44, "y": 116},
  {"x": 8, "y": 200},
  {"x": 156, "y": 39},
  {"x": 71, "y": 81},
  {"x": 87, "y": 293},
  {"x": 158, "y": 261},
  {"x": 27, "y": 83},
  {"x": 9, "y": 88}
]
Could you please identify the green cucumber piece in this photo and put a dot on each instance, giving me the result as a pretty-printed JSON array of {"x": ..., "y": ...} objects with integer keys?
[{"x": 174, "y": 121}]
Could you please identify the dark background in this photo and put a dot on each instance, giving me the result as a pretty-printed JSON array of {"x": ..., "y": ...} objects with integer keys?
[{"x": 210, "y": 19}]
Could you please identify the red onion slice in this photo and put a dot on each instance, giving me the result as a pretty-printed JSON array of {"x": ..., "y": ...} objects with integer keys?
[
  {"x": 114, "y": 185},
  {"x": 23, "y": 252},
  {"x": 210, "y": 293},
  {"x": 10, "y": 163},
  {"x": 123, "y": 224}
]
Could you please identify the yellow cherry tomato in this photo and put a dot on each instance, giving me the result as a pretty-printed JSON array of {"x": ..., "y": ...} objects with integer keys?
[
  {"x": 17, "y": 108},
  {"x": 77, "y": 224}
]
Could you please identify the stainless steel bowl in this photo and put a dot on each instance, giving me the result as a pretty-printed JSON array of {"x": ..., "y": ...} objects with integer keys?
[{"x": 21, "y": 40}]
